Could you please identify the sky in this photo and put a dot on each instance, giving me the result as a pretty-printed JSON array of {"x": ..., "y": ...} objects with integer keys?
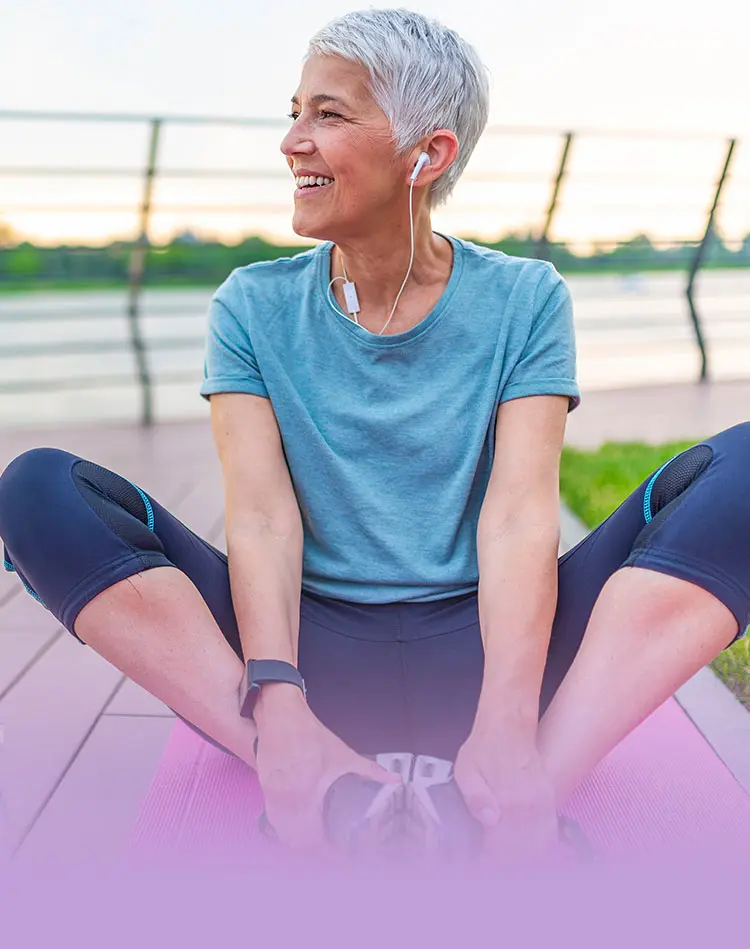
[{"x": 658, "y": 65}]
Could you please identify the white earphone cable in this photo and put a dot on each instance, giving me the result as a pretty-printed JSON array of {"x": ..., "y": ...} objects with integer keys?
[
  {"x": 411, "y": 257},
  {"x": 328, "y": 294}
]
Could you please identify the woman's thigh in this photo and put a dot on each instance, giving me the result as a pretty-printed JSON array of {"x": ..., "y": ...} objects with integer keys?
[
  {"x": 690, "y": 519},
  {"x": 72, "y": 528}
]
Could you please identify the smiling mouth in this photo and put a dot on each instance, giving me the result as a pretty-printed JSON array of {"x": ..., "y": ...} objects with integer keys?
[{"x": 309, "y": 183}]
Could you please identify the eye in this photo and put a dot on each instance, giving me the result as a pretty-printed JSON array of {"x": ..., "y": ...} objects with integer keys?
[{"x": 324, "y": 114}]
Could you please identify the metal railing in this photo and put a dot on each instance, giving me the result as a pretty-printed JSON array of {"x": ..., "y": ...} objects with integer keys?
[{"x": 550, "y": 183}]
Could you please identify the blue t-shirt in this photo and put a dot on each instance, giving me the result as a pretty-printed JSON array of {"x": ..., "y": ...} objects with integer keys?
[{"x": 390, "y": 439}]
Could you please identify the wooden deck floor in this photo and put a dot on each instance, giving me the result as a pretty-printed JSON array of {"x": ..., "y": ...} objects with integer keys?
[
  {"x": 657, "y": 414},
  {"x": 80, "y": 742}
]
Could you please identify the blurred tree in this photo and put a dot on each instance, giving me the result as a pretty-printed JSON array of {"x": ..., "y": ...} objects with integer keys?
[
  {"x": 7, "y": 237},
  {"x": 190, "y": 260},
  {"x": 25, "y": 260}
]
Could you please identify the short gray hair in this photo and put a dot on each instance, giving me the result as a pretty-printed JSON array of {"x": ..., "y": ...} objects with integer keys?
[{"x": 422, "y": 75}]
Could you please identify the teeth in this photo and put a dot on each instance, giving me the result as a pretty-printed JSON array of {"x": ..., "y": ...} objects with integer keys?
[{"x": 309, "y": 181}]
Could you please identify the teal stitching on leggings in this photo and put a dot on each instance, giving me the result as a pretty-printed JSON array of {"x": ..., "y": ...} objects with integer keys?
[
  {"x": 9, "y": 566},
  {"x": 149, "y": 509},
  {"x": 649, "y": 488}
]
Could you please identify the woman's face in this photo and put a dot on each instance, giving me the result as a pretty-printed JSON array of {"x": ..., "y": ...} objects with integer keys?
[{"x": 338, "y": 132}]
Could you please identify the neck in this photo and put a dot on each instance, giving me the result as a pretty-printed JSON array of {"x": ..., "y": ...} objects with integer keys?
[{"x": 377, "y": 263}]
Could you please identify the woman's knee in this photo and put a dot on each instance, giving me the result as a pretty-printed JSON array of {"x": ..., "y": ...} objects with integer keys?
[
  {"x": 26, "y": 485},
  {"x": 33, "y": 467}
]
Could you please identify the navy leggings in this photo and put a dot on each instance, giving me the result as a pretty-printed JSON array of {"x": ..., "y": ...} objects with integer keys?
[{"x": 395, "y": 676}]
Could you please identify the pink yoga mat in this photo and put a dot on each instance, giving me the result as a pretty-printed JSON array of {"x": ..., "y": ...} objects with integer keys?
[{"x": 663, "y": 787}]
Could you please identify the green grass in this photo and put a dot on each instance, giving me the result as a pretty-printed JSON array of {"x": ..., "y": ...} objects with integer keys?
[{"x": 594, "y": 483}]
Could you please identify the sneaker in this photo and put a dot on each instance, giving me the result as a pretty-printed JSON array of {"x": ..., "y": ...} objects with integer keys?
[
  {"x": 423, "y": 816},
  {"x": 364, "y": 816},
  {"x": 436, "y": 805}
]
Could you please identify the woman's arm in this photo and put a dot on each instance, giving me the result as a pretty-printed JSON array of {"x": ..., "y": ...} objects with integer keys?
[
  {"x": 263, "y": 526},
  {"x": 518, "y": 539},
  {"x": 498, "y": 768},
  {"x": 517, "y": 601}
]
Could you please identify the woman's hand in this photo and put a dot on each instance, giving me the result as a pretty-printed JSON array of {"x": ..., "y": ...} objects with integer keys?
[
  {"x": 297, "y": 761},
  {"x": 505, "y": 787}
]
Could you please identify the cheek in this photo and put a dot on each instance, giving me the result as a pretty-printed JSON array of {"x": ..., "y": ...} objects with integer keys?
[
  {"x": 362, "y": 166},
  {"x": 365, "y": 188}
]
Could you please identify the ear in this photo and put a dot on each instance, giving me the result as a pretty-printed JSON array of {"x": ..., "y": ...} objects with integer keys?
[{"x": 442, "y": 147}]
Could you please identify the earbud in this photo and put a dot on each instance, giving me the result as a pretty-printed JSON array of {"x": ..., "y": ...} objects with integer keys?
[{"x": 424, "y": 159}]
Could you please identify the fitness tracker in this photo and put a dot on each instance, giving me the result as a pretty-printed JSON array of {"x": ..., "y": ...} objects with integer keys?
[{"x": 260, "y": 671}]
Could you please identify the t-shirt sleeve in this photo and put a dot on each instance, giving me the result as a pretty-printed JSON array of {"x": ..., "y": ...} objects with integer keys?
[
  {"x": 547, "y": 365},
  {"x": 229, "y": 364}
]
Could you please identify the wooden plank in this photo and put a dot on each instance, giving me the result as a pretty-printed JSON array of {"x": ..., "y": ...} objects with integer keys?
[
  {"x": 657, "y": 413},
  {"x": 99, "y": 798},
  {"x": 203, "y": 508},
  {"x": 46, "y": 717},
  {"x": 721, "y": 718},
  {"x": 9, "y": 585},
  {"x": 218, "y": 535},
  {"x": 133, "y": 699},
  {"x": 26, "y": 631},
  {"x": 166, "y": 445}
]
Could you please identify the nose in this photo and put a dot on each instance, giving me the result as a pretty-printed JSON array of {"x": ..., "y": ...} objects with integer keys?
[{"x": 296, "y": 143}]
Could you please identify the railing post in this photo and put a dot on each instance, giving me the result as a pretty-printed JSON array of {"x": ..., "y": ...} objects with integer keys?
[
  {"x": 700, "y": 254},
  {"x": 542, "y": 244},
  {"x": 137, "y": 267}
]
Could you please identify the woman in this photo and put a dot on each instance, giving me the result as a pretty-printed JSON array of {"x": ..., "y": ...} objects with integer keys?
[{"x": 391, "y": 453}]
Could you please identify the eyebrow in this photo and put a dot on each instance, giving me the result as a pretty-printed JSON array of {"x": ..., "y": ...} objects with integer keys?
[{"x": 321, "y": 97}]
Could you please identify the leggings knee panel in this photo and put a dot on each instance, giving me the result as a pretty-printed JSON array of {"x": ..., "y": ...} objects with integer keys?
[
  {"x": 675, "y": 477},
  {"x": 122, "y": 506}
]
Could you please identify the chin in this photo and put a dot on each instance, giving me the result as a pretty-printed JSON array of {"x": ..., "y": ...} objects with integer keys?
[{"x": 318, "y": 232}]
